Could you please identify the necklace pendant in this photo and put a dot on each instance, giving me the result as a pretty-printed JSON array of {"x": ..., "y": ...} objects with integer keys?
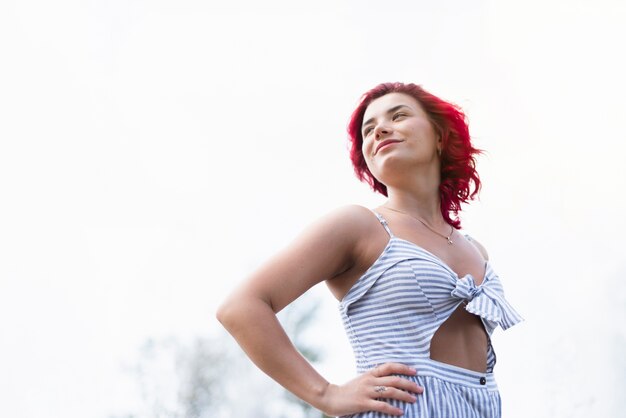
[{"x": 449, "y": 241}]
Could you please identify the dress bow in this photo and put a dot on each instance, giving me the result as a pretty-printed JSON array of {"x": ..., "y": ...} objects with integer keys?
[
  {"x": 486, "y": 301},
  {"x": 466, "y": 288}
]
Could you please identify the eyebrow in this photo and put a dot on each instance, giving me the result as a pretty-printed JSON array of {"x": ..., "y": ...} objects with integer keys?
[{"x": 393, "y": 109}]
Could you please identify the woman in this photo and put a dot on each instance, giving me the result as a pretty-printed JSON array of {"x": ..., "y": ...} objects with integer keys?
[{"x": 419, "y": 299}]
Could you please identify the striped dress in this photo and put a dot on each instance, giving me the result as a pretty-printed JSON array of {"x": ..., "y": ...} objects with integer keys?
[{"x": 395, "y": 308}]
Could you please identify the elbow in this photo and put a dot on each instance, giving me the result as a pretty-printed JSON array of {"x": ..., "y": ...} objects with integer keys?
[
  {"x": 224, "y": 314},
  {"x": 236, "y": 311}
]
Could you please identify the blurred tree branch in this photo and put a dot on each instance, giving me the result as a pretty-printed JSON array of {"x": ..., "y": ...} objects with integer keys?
[{"x": 212, "y": 377}]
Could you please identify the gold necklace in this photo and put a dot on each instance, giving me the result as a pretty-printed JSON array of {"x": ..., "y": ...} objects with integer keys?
[{"x": 449, "y": 237}]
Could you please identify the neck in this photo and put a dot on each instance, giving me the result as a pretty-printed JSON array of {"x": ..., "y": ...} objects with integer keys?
[
  {"x": 415, "y": 191},
  {"x": 421, "y": 204}
]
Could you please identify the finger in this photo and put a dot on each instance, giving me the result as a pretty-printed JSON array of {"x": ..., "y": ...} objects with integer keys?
[
  {"x": 384, "y": 407},
  {"x": 392, "y": 393},
  {"x": 393, "y": 368},
  {"x": 399, "y": 383}
]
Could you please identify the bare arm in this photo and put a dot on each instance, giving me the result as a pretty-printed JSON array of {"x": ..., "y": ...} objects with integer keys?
[{"x": 322, "y": 252}]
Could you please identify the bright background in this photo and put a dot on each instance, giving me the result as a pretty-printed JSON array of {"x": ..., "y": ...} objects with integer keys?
[{"x": 154, "y": 152}]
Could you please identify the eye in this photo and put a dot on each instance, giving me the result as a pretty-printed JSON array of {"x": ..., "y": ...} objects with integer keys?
[
  {"x": 367, "y": 131},
  {"x": 398, "y": 115}
]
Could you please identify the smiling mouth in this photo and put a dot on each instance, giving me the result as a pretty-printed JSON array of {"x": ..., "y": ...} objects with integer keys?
[{"x": 385, "y": 143}]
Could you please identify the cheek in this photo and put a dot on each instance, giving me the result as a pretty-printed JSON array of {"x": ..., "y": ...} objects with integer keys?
[
  {"x": 430, "y": 132},
  {"x": 366, "y": 149},
  {"x": 371, "y": 162},
  {"x": 425, "y": 134}
]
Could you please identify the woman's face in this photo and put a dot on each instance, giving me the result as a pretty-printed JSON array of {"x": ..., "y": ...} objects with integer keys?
[{"x": 397, "y": 134}]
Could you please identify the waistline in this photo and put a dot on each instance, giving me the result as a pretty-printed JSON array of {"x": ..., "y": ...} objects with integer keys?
[{"x": 454, "y": 374}]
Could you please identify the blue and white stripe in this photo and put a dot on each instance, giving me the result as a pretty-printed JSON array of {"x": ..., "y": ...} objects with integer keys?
[{"x": 393, "y": 311}]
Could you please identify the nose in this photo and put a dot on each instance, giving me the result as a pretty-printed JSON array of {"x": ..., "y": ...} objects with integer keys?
[{"x": 381, "y": 130}]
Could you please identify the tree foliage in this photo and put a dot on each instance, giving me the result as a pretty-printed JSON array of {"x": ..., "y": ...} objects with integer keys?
[{"x": 210, "y": 377}]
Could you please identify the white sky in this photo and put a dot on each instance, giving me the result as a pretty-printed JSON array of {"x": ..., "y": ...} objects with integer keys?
[{"x": 152, "y": 153}]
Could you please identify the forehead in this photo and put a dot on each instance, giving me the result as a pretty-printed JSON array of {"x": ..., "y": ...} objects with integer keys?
[{"x": 379, "y": 106}]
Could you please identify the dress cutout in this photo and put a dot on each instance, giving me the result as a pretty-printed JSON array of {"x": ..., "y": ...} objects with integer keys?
[{"x": 392, "y": 312}]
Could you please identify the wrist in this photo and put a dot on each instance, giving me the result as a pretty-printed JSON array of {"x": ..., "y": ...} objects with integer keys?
[{"x": 323, "y": 399}]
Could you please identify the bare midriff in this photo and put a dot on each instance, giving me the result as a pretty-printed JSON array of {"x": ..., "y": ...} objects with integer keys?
[{"x": 461, "y": 341}]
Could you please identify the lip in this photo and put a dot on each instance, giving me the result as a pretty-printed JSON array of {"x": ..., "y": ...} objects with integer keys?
[{"x": 385, "y": 143}]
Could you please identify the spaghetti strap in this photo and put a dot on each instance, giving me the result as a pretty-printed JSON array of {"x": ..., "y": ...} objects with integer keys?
[
  {"x": 392, "y": 312},
  {"x": 383, "y": 222}
]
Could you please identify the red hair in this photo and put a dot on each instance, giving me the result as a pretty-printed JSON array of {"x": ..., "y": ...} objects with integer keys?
[{"x": 459, "y": 179}]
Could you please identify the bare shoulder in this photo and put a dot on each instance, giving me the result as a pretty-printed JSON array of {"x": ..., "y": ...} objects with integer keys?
[
  {"x": 352, "y": 219},
  {"x": 324, "y": 250},
  {"x": 347, "y": 229},
  {"x": 479, "y": 246},
  {"x": 339, "y": 236}
]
